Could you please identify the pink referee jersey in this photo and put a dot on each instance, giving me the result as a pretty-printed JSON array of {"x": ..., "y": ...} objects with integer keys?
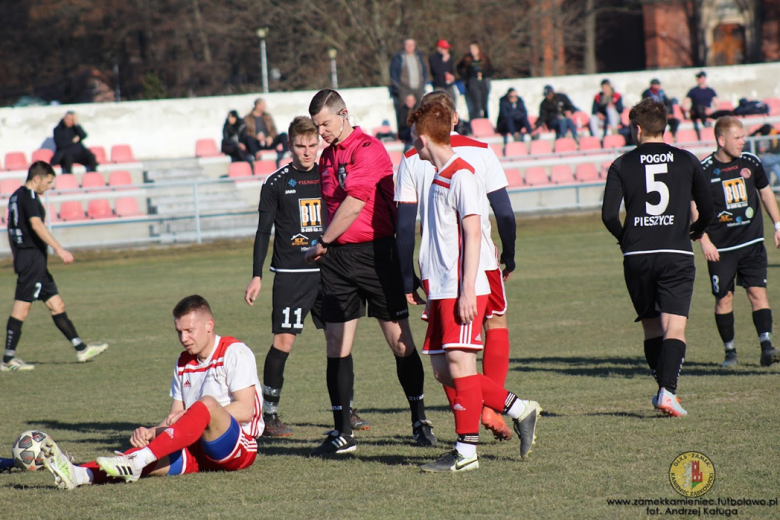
[
  {"x": 230, "y": 367},
  {"x": 361, "y": 168}
]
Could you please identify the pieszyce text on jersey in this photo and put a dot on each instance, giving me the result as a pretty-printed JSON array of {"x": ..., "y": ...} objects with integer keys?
[{"x": 654, "y": 220}]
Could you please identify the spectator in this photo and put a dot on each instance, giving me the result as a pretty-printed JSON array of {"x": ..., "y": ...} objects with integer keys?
[
  {"x": 475, "y": 69},
  {"x": 234, "y": 139},
  {"x": 512, "y": 116},
  {"x": 443, "y": 69},
  {"x": 404, "y": 130},
  {"x": 700, "y": 101},
  {"x": 555, "y": 113},
  {"x": 605, "y": 114},
  {"x": 408, "y": 76},
  {"x": 769, "y": 151},
  {"x": 69, "y": 139},
  {"x": 658, "y": 94},
  {"x": 261, "y": 132}
]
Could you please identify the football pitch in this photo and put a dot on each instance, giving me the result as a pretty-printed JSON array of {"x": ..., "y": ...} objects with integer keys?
[{"x": 575, "y": 349}]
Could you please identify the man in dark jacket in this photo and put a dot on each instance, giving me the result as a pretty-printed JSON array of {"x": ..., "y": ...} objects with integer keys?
[
  {"x": 69, "y": 139},
  {"x": 512, "y": 116},
  {"x": 407, "y": 76},
  {"x": 443, "y": 69},
  {"x": 658, "y": 94},
  {"x": 606, "y": 110},
  {"x": 555, "y": 112}
]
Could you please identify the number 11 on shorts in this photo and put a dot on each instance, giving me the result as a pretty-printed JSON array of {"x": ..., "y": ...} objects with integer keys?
[{"x": 298, "y": 314}]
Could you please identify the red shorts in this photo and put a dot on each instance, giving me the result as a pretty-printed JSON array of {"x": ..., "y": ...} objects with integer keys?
[
  {"x": 445, "y": 330},
  {"x": 195, "y": 460},
  {"x": 497, "y": 300}
]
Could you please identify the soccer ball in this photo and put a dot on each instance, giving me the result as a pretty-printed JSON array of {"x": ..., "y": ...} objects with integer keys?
[{"x": 27, "y": 450}]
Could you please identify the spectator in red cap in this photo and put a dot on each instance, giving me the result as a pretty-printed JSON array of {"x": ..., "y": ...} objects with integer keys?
[{"x": 443, "y": 69}]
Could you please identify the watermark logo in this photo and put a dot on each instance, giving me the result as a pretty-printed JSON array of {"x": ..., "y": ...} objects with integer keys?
[{"x": 692, "y": 474}]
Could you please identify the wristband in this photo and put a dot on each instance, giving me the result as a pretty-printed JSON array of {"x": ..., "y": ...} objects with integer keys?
[
  {"x": 321, "y": 242},
  {"x": 777, "y": 226}
]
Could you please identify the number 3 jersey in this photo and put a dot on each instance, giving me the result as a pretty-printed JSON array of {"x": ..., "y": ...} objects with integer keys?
[
  {"x": 657, "y": 183},
  {"x": 738, "y": 222}
]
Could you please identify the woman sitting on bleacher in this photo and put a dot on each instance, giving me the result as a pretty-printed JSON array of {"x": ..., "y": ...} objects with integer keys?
[{"x": 233, "y": 137}]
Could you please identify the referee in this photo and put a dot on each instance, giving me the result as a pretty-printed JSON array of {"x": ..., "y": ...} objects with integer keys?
[
  {"x": 359, "y": 266},
  {"x": 29, "y": 239},
  {"x": 657, "y": 183}
]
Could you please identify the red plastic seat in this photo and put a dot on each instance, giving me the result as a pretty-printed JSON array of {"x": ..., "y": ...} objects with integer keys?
[
  {"x": 66, "y": 181},
  {"x": 581, "y": 119},
  {"x": 119, "y": 178},
  {"x": 72, "y": 210},
  {"x": 264, "y": 168},
  {"x": 588, "y": 142},
  {"x": 514, "y": 178},
  {"x": 100, "y": 154},
  {"x": 206, "y": 148},
  {"x": 687, "y": 135},
  {"x": 677, "y": 111},
  {"x": 498, "y": 149},
  {"x": 98, "y": 209},
  {"x": 93, "y": 180},
  {"x": 541, "y": 147},
  {"x": 240, "y": 170},
  {"x": 516, "y": 149},
  {"x": 624, "y": 116},
  {"x": 127, "y": 207},
  {"x": 16, "y": 161},
  {"x": 774, "y": 105},
  {"x": 42, "y": 154},
  {"x": 9, "y": 186},
  {"x": 614, "y": 141},
  {"x": 605, "y": 168},
  {"x": 565, "y": 144},
  {"x": 396, "y": 157},
  {"x": 561, "y": 174},
  {"x": 586, "y": 172},
  {"x": 482, "y": 127},
  {"x": 536, "y": 176},
  {"x": 122, "y": 153},
  {"x": 725, "y": 105},
  {"x": 668, "y": 137},
  {"x": 708, "y": 134},
  {"x": 383, "y": 130}
]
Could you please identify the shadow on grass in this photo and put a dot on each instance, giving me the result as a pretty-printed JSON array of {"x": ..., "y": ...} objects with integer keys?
[
  {"x": 25, "y": 487},
  {"x": 115, "y": 434},
  {"x": 614, "y": 366}
]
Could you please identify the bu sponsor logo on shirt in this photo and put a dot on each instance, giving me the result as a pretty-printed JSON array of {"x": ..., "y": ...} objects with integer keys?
[
  {"x": 311, "y": 214},
  {"x": 735, "y": 192}
]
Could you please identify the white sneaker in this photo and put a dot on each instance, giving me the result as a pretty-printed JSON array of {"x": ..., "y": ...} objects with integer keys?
[
  {"x": 59, "y": 464},
  {"x": 90, "y": 352},
  {"x": 16, "y": 365},
  {"x": 122, "y": 466}
]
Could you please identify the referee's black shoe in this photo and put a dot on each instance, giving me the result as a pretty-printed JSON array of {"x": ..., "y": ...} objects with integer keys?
[
  {"x": 335, "y": 444},
  {"x": 769, "y": 356},
  {"x": 422, "y": 431}
]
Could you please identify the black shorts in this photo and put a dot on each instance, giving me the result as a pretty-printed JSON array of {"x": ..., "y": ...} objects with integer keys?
[
  {"x": 354, "y": 275},
  {"x": 748, "y": 264},
  {"x": 660, "y": 282},
  {"x": 294, "y": 296},
  {"x": 34, "y": 281}
]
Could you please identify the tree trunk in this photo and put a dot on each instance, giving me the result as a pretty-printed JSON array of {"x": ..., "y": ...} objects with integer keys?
[
  {"x": 590, "y": 38},
  {"x": 204, "y": 40}
]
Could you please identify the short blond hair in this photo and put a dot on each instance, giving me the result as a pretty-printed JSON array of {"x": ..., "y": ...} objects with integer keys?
[{"x": 725, "y": 123}]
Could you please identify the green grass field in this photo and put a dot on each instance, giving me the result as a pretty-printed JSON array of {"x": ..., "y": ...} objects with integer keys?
[{"x": 575, "y": 349}]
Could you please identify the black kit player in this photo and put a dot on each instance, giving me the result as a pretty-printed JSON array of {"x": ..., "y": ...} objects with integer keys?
[
  {"x": 29, "y": 239},
  {"x": 734, "y": 241},
  {"x": 657, "y": 183},
  {"x": 291, "y": 203}
]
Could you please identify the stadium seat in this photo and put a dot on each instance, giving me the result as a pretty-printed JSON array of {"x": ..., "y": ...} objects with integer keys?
[
  {"x": 264, "y": 168},
  {"x": 588, "y": 142},
  {"x": 122, "y": 153},
  {"x": 586, "y": 172},
  {"x": 482, "y": 127},
  {"x": 565, "y": 144},
  {"x": 240, "y": 170},
  {"x": 774, "y": 105},
  {"x": 561, "y": 174},
  {"x": 536, "y": 176},
  {"x": 72, "y": 210},
  {"x": 206, "y": 148},
  {"x": 605, "y": 168},
  {"x": 42, "y": 154},
  {"x": 285, "y": 161},
  {"x": 514, "y": 178},
  {"x": 677, "y": 112},
  {"x": 541, "y": 147},
  {"x": 614, "y": 141},
  {"x": 725, "y": 105},
  {"x": 100, "y": 154},
  {"x": 624, "y": 116},
  {"x": 687, "y": 135},
  {"x": 119, "y": 178},
  {"x": 93, "y": 180},
  {"x": 8, "y": 187},
  {"x": 516, "y": 149},
  {"x": 66, "y": 181},
  {"x": 668, "y": 137},
  {"x": 498, "y": 149},
  {"x": 581, "y": 119},
  {"x": 382, "y": 130},
  {"x": 396, "y": 157},
  {"x": 127, "y": 207},
  {"x": 708, "y": 134},
  {"x": 98, "y": 209},
  {"x": 16, "y": 161}
]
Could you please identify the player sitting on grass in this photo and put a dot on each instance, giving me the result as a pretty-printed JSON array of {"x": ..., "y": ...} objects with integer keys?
[
  {"x": 453, "y": 274},
  {"x": 215, "y": 416}
]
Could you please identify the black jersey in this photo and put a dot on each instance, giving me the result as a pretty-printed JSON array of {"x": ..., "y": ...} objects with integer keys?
[
  {"x": 734, "y": 185},
  {"x": 657, "y": 183},
  {"x": 22, "y": 206},
  {"x": 291, "y": 202}
]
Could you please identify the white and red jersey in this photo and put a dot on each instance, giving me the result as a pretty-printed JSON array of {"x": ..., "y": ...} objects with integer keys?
[
  {"x": 415, "y": 176},
  {"x": 229, "y": 368},
  {"x": 455, "y": 193}
]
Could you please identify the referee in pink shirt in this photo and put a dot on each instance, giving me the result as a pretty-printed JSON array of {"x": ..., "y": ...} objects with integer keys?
[{"x": 359, "y": 266}]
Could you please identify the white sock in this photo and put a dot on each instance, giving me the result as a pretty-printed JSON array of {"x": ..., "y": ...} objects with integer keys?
[
  {"x": 82, "y": 476},
  {"x": 465, "y": 449},
  {"x": 517, "y": 408},
  {"x": 143, "y": 458}
]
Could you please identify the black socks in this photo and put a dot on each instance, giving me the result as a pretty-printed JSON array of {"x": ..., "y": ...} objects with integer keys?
[
  {"x": 273, "y": 379},
  {"x": 340, "y": 377},
  {"x": 13, "y": 332},
  {"x": 412, "y": 378}
]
